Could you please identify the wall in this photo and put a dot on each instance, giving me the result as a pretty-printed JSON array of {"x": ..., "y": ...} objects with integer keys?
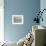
[
  {"x": 28, "y": 8},
  {"x": 43, "y": 6}
]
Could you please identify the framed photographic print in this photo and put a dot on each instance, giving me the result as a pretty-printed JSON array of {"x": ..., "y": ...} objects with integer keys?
[{"x": 17, "y": 19}]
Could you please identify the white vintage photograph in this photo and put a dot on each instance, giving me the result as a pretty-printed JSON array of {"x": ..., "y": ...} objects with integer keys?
[{"x": 17, "y": 19}]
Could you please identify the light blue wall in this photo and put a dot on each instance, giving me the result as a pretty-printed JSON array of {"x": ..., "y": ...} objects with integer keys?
[
  {"x": 19, "y": 7},
  {"x": 43, "y": 6}
]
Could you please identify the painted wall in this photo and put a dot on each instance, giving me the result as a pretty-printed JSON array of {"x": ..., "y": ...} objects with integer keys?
[
  {"x": 43, "y": 6},
  {"x": 28, "y": 8}
]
